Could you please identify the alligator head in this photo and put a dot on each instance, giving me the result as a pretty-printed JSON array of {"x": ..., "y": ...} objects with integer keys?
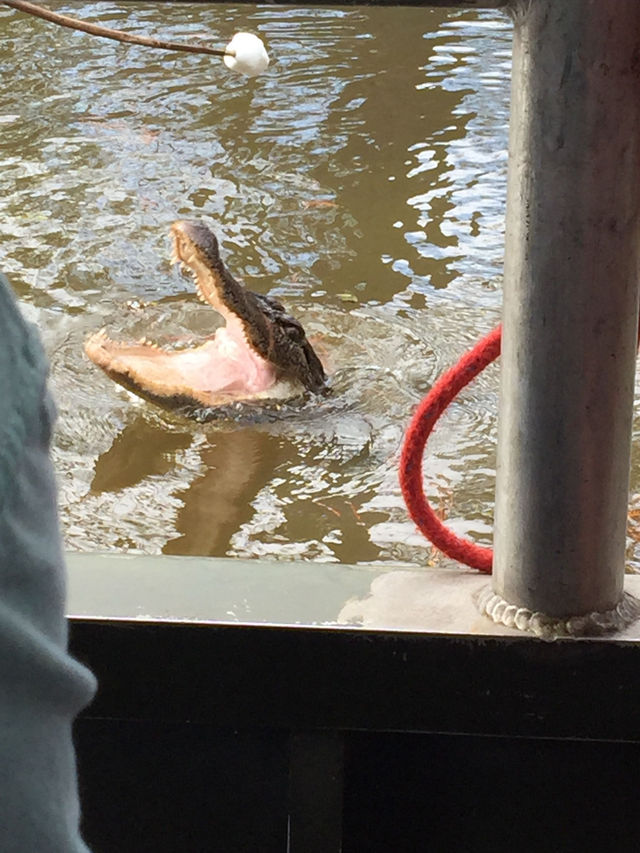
[{"x": 261, "y": 352}]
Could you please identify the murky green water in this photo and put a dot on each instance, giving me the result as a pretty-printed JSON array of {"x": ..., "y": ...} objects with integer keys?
[{"x": 361, "y": 180}]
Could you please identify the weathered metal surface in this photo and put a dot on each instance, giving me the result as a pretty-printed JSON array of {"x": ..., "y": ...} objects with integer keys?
[
  {"x": 305, "y": 679},
  {"x": 570, "y": 306},
  {"x": 236, "y": 731},
  {"x": 168, "y": 589}
]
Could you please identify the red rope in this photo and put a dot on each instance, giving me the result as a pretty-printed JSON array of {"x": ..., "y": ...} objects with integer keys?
[{"x": 419, "y": 430}]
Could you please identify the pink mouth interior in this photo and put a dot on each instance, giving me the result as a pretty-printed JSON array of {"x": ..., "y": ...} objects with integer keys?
[
  {"x": 217, "y": 365},
  {"x": 225, "y": 364}
]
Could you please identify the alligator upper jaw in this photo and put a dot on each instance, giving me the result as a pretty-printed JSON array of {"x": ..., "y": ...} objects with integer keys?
[
  {"x": 218, "y": 372},
  {"x": 191, "y": 264}
]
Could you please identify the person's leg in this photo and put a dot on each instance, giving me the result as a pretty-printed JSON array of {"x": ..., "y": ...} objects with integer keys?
[{"x": 41, "y": 687}]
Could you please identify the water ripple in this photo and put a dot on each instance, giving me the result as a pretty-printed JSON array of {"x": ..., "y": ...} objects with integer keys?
[{"x": 362, "y": 180}]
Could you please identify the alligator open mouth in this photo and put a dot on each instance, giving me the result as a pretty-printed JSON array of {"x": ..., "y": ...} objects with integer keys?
[{"x": 261, "y": 353}]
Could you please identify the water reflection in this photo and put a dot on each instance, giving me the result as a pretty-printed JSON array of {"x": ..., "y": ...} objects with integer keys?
[{"x": 361, "y": 180}]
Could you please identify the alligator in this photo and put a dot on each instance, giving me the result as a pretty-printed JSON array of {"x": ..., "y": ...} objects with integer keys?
[{"x": 260, "y": 354}]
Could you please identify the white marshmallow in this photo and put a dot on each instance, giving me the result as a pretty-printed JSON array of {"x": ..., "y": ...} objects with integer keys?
[{"x": 246, "y": 54}]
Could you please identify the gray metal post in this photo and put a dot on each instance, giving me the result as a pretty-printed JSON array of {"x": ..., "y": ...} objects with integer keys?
[{"x": 570, "y": 307}]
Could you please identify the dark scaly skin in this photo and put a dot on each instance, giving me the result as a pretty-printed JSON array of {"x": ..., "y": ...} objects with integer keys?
[{"x": 277, "y": 336}]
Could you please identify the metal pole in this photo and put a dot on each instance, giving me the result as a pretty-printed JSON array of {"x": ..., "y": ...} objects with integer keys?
[{"x": 570, "y": 307}]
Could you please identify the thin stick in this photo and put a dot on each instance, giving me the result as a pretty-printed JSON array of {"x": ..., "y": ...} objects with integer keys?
[{"x": 106, "y": 32}]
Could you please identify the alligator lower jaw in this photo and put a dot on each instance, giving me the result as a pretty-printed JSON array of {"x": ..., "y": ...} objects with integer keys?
[{"x": 210, "y": 375}]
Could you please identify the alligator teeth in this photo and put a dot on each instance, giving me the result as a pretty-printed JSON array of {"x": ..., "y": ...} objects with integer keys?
[
  {"x": 145, "y": 342},
  {"x": 100, "y": 337}
]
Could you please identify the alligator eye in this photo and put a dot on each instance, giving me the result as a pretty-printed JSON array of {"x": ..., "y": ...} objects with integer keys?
[{"x": 294, "y": 329}]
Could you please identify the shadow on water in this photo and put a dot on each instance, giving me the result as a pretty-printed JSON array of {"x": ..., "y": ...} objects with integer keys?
[{"x": 361, "y": 181}]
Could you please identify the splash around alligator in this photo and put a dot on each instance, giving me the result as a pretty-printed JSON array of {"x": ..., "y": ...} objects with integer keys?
[{"x": 261, "y": 354}]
